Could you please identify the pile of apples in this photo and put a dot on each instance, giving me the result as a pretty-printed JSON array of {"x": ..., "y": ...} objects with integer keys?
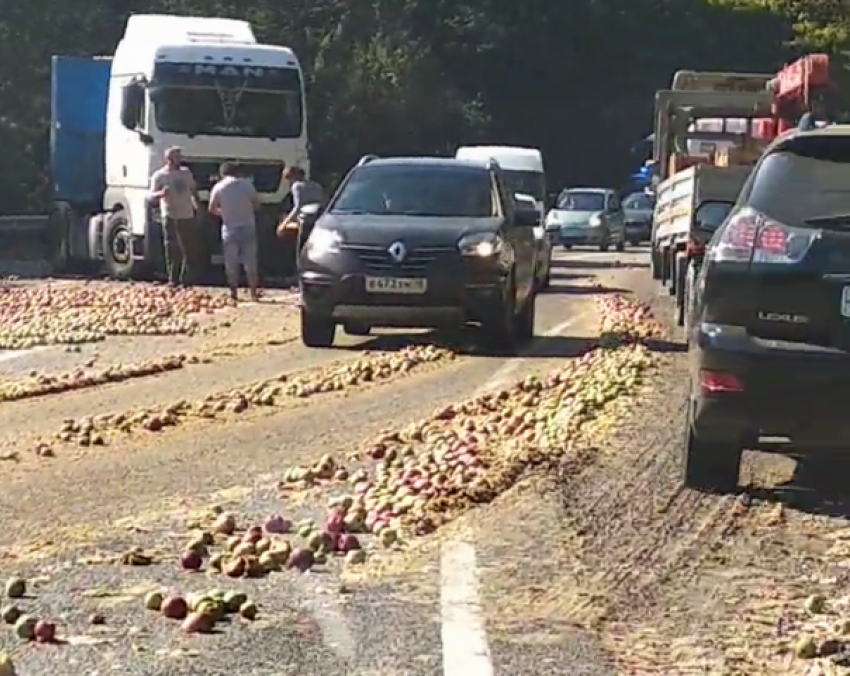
[
  {"x": 27, "y": 627},
  {"x": 49, "y": 314},
  {"x": 622, "y": 319},
  {"x": 38, "y": 385},
  {"x": 200, "y": 612},
  {"x": 468, "y": 453},
  {"x": 370, "y": 367}
]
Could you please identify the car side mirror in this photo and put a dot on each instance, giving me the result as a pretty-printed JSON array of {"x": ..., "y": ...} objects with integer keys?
[{"x": 132, "y": 105}]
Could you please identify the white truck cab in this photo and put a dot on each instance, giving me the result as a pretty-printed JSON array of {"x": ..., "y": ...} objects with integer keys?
[{"x": 206, "y": 85}]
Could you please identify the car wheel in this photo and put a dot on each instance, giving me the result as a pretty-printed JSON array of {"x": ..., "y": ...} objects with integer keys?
[
  {"x": 710, "y": 467},
  {"x": 603, "y": 247},
  {"x": 354, "y": 329},
  {"x": 634, "y": 242},
  {"x": 525, "y": 319},
  {"x": 567, "y": 247},
  {"x": 621, "y": 245},
  {"x": 317, "y": 331},
  {"x": 501, "y": 331}
]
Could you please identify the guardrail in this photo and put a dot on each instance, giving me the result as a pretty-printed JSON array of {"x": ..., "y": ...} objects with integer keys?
[{"x": 23, "y": 224}]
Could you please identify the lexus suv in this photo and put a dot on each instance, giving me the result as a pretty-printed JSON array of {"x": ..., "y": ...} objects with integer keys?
[
  {"x": 420, "y": 242},
  {"x": 769, "y": 349}
]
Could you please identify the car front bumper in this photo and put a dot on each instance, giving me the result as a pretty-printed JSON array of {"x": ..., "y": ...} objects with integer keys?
[
  {"x": 578, "y": 236},
  {"x": 791, "y": 392},
  {"x": 458, "y": 292}
]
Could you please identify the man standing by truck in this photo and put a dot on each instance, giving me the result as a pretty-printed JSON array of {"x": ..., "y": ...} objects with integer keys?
[
  {"x": 173, "y": 186},
  {"x": 304, "y": 191},
  {"x": 235, "y": 200}
]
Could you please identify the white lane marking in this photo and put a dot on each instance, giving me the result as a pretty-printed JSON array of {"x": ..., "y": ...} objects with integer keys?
[
  {"x": 465, "y": 648},
  {"x": 466, "y": 651},
  {"x": 509, "y": 369}
]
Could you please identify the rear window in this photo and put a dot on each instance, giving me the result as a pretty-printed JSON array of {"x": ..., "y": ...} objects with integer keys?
[
  {"x": 417, "y": 191},
  {"x": 808, "y": 179}
]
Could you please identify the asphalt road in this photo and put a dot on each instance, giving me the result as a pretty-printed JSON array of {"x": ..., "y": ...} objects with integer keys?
[{"x": 600, "y": 565}]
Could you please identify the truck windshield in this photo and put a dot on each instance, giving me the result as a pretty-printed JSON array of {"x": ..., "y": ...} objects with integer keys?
[
  {"x": 416, "y": 191},
  {"x": 575, "y": 200},
  {"x": 197, "y": 111}
]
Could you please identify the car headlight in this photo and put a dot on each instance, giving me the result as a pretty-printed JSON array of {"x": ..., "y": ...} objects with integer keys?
[
  {"x": 323, "y": 241},
  {"x": 595, "y": 221},
  {"x": 539, "y": 233},
  {"x": 482, "y": 245}
]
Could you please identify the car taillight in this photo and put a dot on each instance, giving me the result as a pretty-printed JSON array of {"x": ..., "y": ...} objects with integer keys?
[
  {"x": 716, "y": 382},
  {"x": 752, "y": 237}
]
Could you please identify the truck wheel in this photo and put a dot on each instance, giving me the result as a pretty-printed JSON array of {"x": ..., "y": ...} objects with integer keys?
[
  {"x": 604, "y": 246},
  {"x": 670, "y": 273},
  {"x": 681, "y": 263},
  {"x": 709, "y": 467},
  {"x": 621, "y": 244},
  {"x": 317, "y": 331},
  {"x": 118, "y": 248},
  {"x": 654, "y": 263}
]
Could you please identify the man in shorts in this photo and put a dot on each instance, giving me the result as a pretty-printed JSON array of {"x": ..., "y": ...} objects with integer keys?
[
  {"x": 235, "y": 200},
  {"x": 173, "y": 186}
]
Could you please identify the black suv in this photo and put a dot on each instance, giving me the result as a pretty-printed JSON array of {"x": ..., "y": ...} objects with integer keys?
[
  {"x": 420, "y": 242},
  {"x": 770, "y": 320}
]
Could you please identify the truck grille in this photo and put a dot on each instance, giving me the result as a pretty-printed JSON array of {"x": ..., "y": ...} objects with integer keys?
[
  {"x": 417, "y": 262},
  {"x": 266, "y": 175}
]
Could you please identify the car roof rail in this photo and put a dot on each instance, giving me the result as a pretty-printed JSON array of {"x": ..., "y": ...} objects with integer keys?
[{"x": 366, "y": 159}]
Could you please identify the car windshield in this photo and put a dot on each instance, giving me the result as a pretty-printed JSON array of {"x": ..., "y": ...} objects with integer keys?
[
  {"x": 639, "y": 201},
  {"x": 526, "y": 182},
  {"x": 809, "y": 180},
  {"x": 196, "y": 111},
  {"x": 575, "y": 200},
  {"x": 417, "y": 191}
]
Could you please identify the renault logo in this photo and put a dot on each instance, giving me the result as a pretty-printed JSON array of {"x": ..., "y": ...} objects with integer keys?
[{"x": 397, "y": 251}]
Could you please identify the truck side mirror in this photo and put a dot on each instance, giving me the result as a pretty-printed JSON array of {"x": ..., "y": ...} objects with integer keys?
[
  {"x": 710, "y": 214},
  {"x": 132, "y": 104}
]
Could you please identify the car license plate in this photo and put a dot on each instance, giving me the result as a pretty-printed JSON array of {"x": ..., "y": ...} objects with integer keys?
[
  {"x": 845, "y": 302},
  {"x": 400, "y": 285},
  {"x": 217, "y": 259}
]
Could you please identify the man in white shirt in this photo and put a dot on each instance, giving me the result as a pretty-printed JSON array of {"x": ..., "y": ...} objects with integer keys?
[
  {"x": 235, "y": 200},
  {"x": 173, "y": 186}
]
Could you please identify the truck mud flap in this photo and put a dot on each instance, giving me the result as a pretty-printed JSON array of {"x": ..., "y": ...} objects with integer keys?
[{"x": 27, "y": 248}]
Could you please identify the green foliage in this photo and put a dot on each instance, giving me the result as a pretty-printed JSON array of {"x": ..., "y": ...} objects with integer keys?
[{"x": 422, "y": 76}]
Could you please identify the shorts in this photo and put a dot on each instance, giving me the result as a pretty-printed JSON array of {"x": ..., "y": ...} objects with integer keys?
[{"x": 239, "y": 246}]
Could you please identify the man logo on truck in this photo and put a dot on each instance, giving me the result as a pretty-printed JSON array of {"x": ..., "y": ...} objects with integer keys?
[{"x": 229, "y": 71}]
